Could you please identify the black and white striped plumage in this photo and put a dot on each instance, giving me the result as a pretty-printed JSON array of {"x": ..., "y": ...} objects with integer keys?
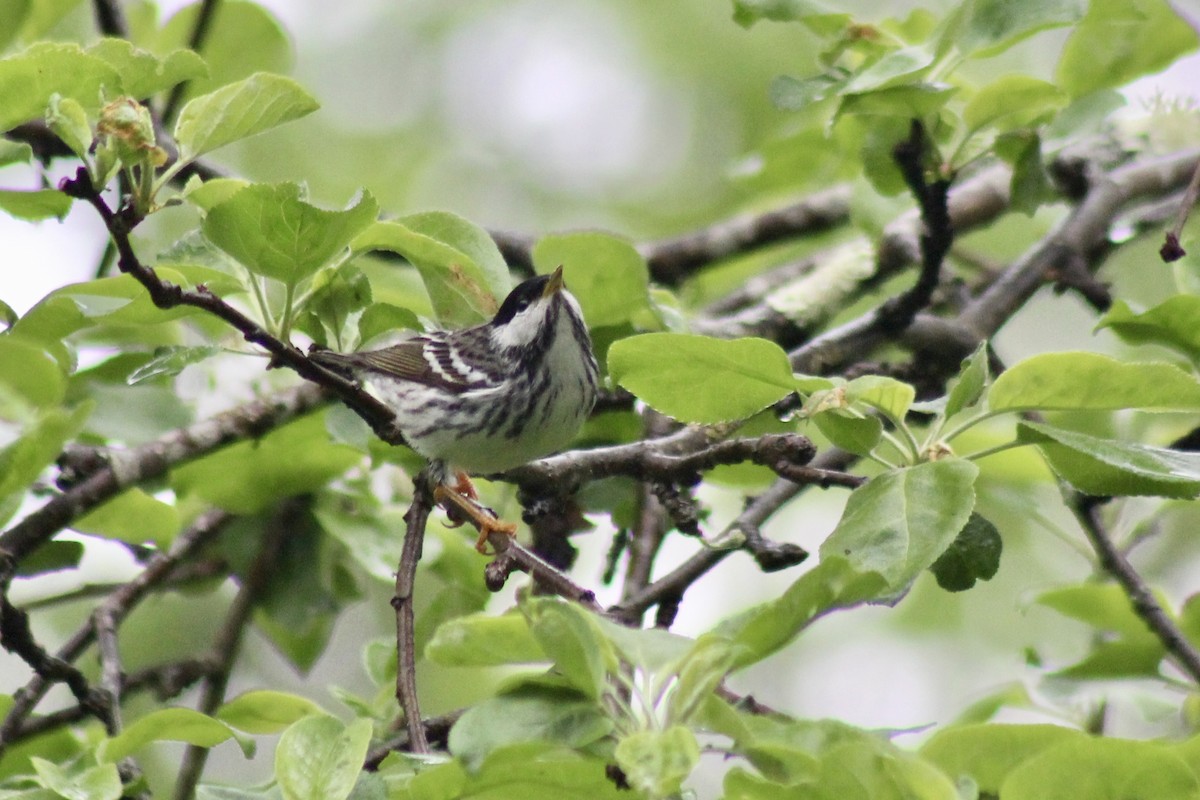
[{"x": 492, "y": 397}]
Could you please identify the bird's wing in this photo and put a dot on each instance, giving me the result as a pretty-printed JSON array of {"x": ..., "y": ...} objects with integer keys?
[{"x": 430, "y": 360}]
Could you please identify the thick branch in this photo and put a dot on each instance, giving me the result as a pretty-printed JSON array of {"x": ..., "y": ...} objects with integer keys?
[
  {"x": 679, "y": 457},
  {"x": 1076, "y": 237},
  {"x": 674, "y": 259},
  {"x": 119, "y": 470}
]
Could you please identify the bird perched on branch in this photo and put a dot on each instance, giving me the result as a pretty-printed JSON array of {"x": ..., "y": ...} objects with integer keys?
[{"x": 487, "y": 398}]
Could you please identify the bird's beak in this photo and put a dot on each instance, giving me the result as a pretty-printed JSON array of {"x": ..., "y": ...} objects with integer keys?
[{"x": 555, "y": 284}]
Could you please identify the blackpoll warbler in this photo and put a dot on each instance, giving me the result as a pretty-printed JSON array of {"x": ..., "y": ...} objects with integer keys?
[{"x": 488, "y": 398}]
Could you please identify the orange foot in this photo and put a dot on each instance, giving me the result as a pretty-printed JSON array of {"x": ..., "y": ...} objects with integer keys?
[{"x": 464, "y": 499}]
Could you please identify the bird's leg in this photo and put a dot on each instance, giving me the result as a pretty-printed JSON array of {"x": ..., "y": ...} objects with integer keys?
[{"x": 462, "y": 498}]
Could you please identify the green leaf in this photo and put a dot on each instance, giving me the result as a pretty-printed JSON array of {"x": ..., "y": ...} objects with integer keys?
[
  {"x": 701, "y": 379},
  {"x": 467, "y": 238},
  {"x": 209, "y": 194},
  {"x": 481, "y": 640},
  {"x": 651, "y": 649},
  {"x": 815, "y": 15},
  {"x": 29, "y": 78},
  {"x": 101, "y": 782},
  {"x": 1174, "y": 323},
  {"x": 319, "y": 758},
  {"x": 167, "y": 724},
  {"x": 1013, "y": 101},
  {"x": 461, "y": 290},
  {"x": 169, "y": 361},
  {"x": 605, "y": 273},
  {"x": 238, "y": 111},
  {"x": 334, "y": 305},
  {"x": 795, "y": 94},
  {"x": 988, "y": 753},
  {"x": 1102, "y": 768},
  {"x": 14, "y": 153},
  {"x": 898, "y": 523},
  {"x": 699, "y": 673},
  {"x": 248, "y": 477},
  {"x": 889, "y": 395},
  {"x": 989, "y": 27},
  {"x": 1105, "y": 661},
  {"x": 527, "y": 715},
  {"x": 1104, "y": 606},
  {"x": 1106, "y": 467},
  {"x": 40, "y": 443},
  {"x": 1079, "y": 380},
  {"x": 242, "y": 38},
  {"x": 384, "y": 318},
  {"x": 54, "y": 555},
  {"x": 66, "y": 117},
  {"x": 35, "y": 205},
  {"x": 905, "y": 102},
  {"x": 301, "y": 601},
  {"x": 967, "y": 387},
  {"x": 857, "y": 435},
  {"x": 536, "y": 771},
  {"x": 1030, "y": 185},
  {"x": 766, "y": 628},
  {"x": 12, "y": 16},
  {"x": 31, "y": 373},
  {"x": 1119, "y": 40},
  {"x": 142, "y": 73},
  {"x": 272, "y": 231},
  {"x": 895, "y": 68},
  {"x": 134, "y": 517},
  {"x": 266, "y": 711},
  {"x": 567, "y": 634},
  {"x": 973, "y": 555},
  {"x": 657, "y": 762},
  {"x": 368, "y": 535},
  {"x": 118, "y": 301}
]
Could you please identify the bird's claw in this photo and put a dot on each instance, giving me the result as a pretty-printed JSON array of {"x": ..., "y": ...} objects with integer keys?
[{"x": 462, "y": 507}]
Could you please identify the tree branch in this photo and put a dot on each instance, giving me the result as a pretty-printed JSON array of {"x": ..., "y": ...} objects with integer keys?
[
  {"x": 671, "y": 587},
  {"x": 1114, "y": 562},
  {"x": 119, "y": 604},
  {"x": 415, "y": 520},
  {"x": 114, "y": 471},
  {"x": 679, "y": 457},
  {"x": 229, "y": 638},
  {"x": 110, "y": 20},
  {"x": 200, "y": 31}
]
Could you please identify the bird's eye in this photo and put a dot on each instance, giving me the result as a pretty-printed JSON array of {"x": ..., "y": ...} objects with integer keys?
[{"x": 523, "y": 304}]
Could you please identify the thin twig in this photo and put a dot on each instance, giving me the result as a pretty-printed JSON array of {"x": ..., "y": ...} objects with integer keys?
[
  {"x": 671, "y": 587},
  {"x": 1113, "y": 561},
  {"x": 200, "y": 31},
  {"x": 512, "y": 556},
  {"x": 164, "y": 680},
  {"x": 415, "y": 520},
  {"x": 110, "y": 20},
  {"x": 1172, "y": 250},
  {"x": 229, "y": 638},
  {"x": 120, "y": 603}
]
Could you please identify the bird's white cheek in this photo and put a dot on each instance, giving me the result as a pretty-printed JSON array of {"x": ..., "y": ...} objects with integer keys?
[{"x": 519, "y": 332}]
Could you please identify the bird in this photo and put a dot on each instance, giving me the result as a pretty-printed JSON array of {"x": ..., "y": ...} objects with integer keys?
[{"x": 487, "y": 398}]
